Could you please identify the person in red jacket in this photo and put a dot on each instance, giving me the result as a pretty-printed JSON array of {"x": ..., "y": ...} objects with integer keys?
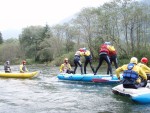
[
  {"x": 113, "y": 57},
  {"x": 104, "y": 56}
]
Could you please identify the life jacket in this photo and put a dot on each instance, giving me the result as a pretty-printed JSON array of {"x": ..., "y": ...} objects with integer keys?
[
  {"x": 104, "y": 49},
  {"x": 130, "y": 75},
  {"x": 87, "y": 55},
  {"x": 66, "y": 66},
  {"x": 24, "y": 68},
  {"x": 7, "y": 68},
  {"x": 112, "y": 53}
]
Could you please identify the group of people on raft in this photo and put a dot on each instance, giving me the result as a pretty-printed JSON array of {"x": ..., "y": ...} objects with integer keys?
[
  {"x": 22, "y": 67},
  {"x": 107, "y": 53},
  {"x": 135, "y": 74}
]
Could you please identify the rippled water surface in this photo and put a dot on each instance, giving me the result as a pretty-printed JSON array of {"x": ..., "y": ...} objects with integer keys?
[{"x": 47, "y": 94}]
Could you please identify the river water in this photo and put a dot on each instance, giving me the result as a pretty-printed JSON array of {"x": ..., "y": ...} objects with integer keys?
[{"x": 47, "y": 94}]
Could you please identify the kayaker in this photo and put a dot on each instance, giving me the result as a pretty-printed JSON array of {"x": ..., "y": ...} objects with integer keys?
[
  {"x": 88, "y": 59},
  {"x": 66, "y": 67},
  {"x": 133, "y": 75},
  {"x": 113, "y": 57},
  {"x": 77, "y": 60},
  {"x": 104, "y": 55},
  {"x": 23, "y": 67},
  {"x": 143, "y": 65},
  {"x": 7, "y": 67}
]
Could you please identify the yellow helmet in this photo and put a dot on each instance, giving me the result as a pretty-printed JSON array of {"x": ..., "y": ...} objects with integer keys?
[
  {"x": 134, "y": 60},
  {"x": 66, "y": 59}
]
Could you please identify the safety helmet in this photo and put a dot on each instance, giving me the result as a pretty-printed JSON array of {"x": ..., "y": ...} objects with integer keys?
[
  {"x": 84, "y": 49},
  {"x": 144, "y": 60},
  {"x": 77, "y": 53},
  {"x": 66, "y": 59},
  {"x": 107, "y": 43},
  {"x": 81, "y": 50},
  {"x": 24, "y": 62},
  {"x": 134, "y": 60},
  {"x": 7, "y": 62}
]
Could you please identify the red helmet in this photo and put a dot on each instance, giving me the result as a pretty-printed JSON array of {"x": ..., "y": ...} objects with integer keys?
[
  {"x": 144, "y": 60},
  {"x": 23, "y": 61},
  {"x": 81, "y": 50}
]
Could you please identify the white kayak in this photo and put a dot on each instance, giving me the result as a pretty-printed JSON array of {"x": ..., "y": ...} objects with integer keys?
[{"x": 140, "y": 95}]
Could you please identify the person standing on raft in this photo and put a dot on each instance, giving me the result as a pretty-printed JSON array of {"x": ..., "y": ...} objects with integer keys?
[
  {"x": 88, "y": 59},
  {"x": 104, "y": 55},
  {"x": 77, "y": 60}
]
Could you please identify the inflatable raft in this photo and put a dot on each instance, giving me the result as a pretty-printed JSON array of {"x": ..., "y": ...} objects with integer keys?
[
  {"x": 140, "y": 95},
  {"x": 19, "y": 75},
  {"x": 88, "y": 78}
]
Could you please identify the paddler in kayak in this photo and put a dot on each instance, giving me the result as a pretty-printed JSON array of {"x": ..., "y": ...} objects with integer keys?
[
  {"x": 66, "y": 67},
  {"x": 77, "y": 60},
  {"x": 23, "y": 67},
  {"x": 7, "y": 68},
  {"x": 143, "y": 65},
  {"x": 133, "y": 75},
  {"x": 104, "y": 55},
  {"x": 88, "y": 59}
]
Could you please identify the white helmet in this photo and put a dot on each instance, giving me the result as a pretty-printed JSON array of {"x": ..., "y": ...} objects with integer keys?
[
  {"x": 107, "y": 43},
  {"x": 134, "y": 60}
]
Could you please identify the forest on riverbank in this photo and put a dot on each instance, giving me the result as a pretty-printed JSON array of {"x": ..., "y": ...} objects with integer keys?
[{"x": 125, "y": 23}]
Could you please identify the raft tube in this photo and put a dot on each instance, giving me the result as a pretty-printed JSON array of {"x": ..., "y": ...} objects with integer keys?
[
  {"x": 88, "y": 78},
  {"x": 140, "y": 95}
]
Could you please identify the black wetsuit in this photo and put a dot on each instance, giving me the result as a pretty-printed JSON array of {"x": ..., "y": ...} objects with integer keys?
[
  {"x": 104, "y": 56},
  {"x": 88, "y": 59},
  {"x": 114, "y": 59},
  {"x": 7, "y": 68},
  {"x": 77, "y": 62}
]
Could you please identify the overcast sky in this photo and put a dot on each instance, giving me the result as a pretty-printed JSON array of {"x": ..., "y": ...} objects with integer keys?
[{"x": 16, "y": 14}]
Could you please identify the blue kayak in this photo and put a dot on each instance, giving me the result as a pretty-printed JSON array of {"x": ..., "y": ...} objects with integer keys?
[
  {"x": 140, "y": 95},
  {"x": 88, "y": 78}
]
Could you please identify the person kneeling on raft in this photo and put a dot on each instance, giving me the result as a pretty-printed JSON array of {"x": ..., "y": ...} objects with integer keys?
[
  {"x": 66, "y": 67},
  {"x": 143, "y": 65},
  {"x": 133, "y": 75}
]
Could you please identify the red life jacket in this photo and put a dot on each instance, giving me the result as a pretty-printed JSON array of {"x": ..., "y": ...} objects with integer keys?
[
  {"x": 103, "y": 48},
  {"x": 111, "y": 53}
]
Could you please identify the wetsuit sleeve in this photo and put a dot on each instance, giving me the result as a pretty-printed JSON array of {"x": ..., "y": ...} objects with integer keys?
[
  {"x": 119, "y": 70},
  {"x": 142, "y": 74},
  {"x": 21, "y": 66},
  {"x": 61, "y": 67}
]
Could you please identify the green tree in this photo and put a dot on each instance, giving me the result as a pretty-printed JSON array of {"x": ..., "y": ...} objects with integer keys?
[
  {"x": 30, "y": 40},
  {"x": 1, "y": 38}
]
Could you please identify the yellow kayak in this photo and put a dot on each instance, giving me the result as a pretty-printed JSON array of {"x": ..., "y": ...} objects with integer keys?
[{"x": 19, "y": 75}]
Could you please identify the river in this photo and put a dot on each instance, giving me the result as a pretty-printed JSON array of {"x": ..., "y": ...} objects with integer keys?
[{"x": 47, "y": 94}]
